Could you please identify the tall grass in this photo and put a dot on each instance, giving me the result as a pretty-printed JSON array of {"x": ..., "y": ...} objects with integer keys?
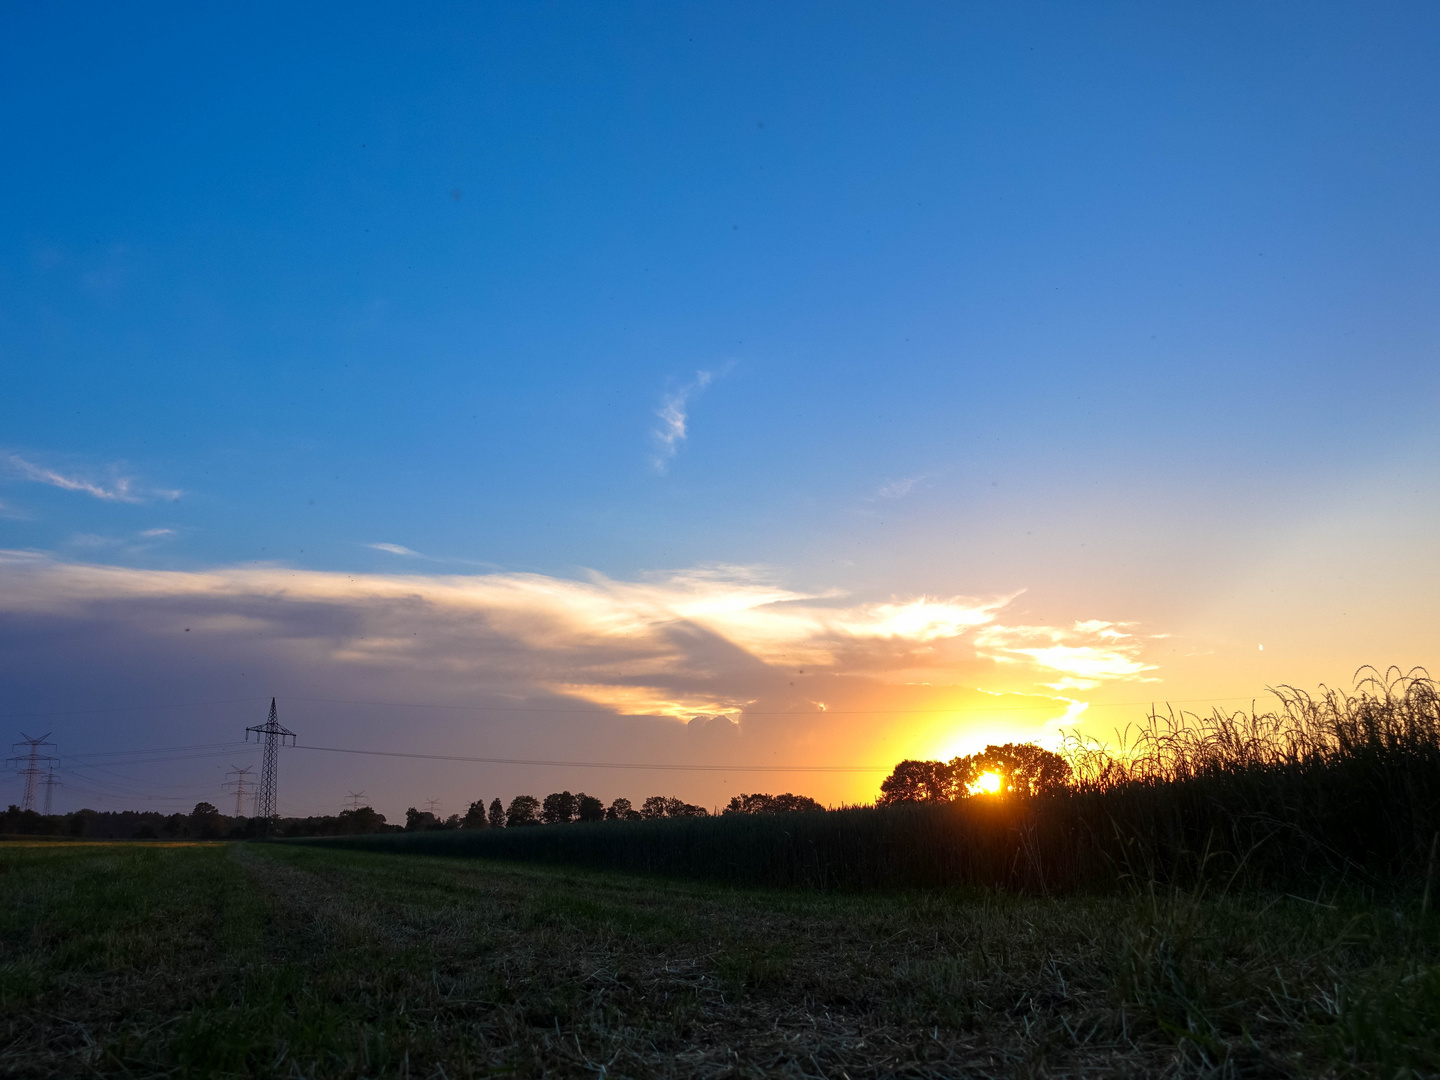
[{"x": 1322, "y": 789}]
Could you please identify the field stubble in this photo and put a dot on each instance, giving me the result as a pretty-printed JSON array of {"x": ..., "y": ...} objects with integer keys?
[{"x": 254, "y": 960}]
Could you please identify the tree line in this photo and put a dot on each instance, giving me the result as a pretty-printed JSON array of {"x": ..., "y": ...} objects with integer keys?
[
  {"x": 564, "y": 808},
  {"x": 205, "y": 822},
  {"x": 1019, "y": 769}
]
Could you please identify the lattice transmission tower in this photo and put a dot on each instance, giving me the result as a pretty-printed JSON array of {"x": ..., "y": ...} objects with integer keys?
[
  {"x": 51, "y": 783},
  {"x": 274, "y": 734},
  {"x": 241, "y": 786},
  {"x": 28, "y": 765}
]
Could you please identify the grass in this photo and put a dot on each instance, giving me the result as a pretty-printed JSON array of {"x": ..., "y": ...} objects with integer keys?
[{"x": 188, "y": 960}]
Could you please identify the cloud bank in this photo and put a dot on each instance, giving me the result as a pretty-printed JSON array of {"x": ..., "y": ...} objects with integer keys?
[
  {"x": 531, "y": 666},
  {"x": 705, "y": 640}
]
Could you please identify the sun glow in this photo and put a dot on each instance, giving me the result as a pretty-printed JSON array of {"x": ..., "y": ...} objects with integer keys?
[{"x": 987, "y": 784}]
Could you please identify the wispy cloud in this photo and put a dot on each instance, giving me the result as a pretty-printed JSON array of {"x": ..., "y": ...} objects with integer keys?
[
  {"x": 1085, "y": 655},
  {"x": 119, "y": 488},
  {"x": 394, "y": 549},
  {"x": 898, "y": 489},
  {"x": 91, "y": 540},
  {"x": 157, "y": 534},
  {"x": 674, "y": 418}
]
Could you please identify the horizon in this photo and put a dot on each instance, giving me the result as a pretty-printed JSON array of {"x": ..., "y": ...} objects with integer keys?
[{"x": 740, "y": 393}]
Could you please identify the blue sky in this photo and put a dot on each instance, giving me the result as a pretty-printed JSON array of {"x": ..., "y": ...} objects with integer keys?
[{"x": 1123, "y": 313}]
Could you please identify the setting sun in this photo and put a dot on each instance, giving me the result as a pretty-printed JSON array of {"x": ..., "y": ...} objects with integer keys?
[{"x": 987, "y": 784}]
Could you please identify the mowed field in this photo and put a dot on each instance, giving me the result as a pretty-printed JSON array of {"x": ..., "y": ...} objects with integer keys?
[{"x": 133, "y": 959}]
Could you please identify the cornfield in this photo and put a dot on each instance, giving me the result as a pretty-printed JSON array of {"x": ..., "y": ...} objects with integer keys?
[{"x": 1322, "y": 790}]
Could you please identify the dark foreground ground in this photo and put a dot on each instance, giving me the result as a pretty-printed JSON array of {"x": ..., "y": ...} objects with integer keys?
[{"x": 248, "y": 960}]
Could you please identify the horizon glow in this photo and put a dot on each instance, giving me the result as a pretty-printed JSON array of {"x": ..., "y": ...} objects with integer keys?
[{"x": 803, "y": 387}]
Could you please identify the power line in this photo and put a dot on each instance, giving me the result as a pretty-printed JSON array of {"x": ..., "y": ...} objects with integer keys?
[
  {"x": 606, "y": 764},
  {"x": 128, "y": 708},
  {"x": 110, "y": 789},
  {"x": 274, "y": 736},
  {"x": 1054, "y": 704},
  {"x": 159, "y": 759},
  {"x": 155, "y": 750}
]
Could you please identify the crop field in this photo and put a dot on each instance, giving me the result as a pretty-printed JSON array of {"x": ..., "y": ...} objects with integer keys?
[{"x": 137, "y": 960}]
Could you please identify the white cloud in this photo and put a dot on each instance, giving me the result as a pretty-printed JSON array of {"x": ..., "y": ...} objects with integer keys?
[
  {"x": 156, "y": 534},
  {"x": 898, "y": 489},
  {"x": 674, "y": 420},
  {"x": 710, "y": 640},
  {"x": 91, "y": 540},
  {"x": 1092, "y": 651},
  {"x": 118, "y": 489},
  {"x": 393, "y": 549}
]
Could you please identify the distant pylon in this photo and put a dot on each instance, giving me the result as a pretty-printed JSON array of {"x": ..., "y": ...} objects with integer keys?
[
  {"x": 238, "y": 785},
  {"x": 431, "y": 804},
  {"x": 356, "y": 800},
  {"x": 31, "y": 765},
  {"x": 274, "y": 734},
  {"x": 50, "y": 785}
]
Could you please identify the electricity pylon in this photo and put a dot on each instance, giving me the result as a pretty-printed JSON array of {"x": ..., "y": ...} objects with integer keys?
[
  {"x": 356, "y": 800},
  {"x": 274, "y": 733},
  {"x": 50, "y": 785},
  {"x": 238, "y": 786},
  {"x": 31, "y": 765}
]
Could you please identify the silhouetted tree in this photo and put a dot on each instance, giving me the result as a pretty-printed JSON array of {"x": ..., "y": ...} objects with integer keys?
[
  {"x": 659, "y": 806},
  {"x": 1024, "y": 768},
  {"x": 419, "y": 820},
  {"x": 206, "y": 822},
  {"x": 558, "y": 809},
  {"x": 918, "y": 781},
  {"x": 497, "y": 814},
  {"x": 589, "y": 808},
  {"x": 475, "y": 816},
  {"x": 621, "y": 810},
  {"x": 771, "y": 804},
  {"x": 524, "y": 810}
]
